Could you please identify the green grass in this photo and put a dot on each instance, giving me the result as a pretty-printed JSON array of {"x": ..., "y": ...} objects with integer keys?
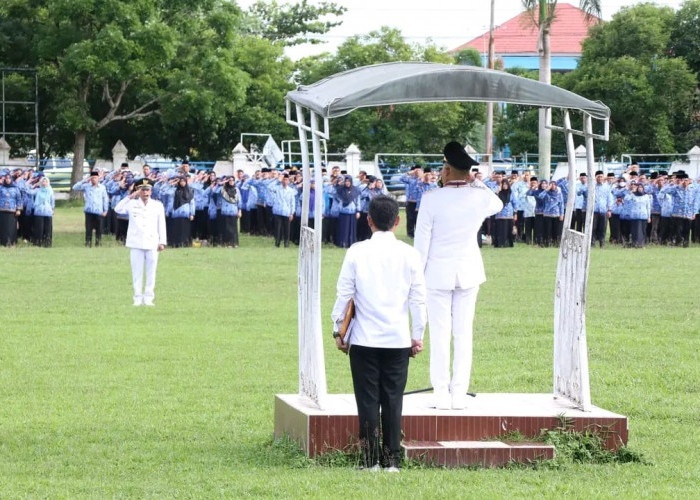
[{"x": 101, "y": 399}]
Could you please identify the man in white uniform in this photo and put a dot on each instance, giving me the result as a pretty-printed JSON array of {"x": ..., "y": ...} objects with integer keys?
[
  {"x": 384, "y": 277},
  {"x": 446, "y": 238},
  {"x": 145, "y": 237}
]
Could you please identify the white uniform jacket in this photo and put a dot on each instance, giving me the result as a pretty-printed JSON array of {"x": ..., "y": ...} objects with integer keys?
[
  {"x": 446, "y": 234},
  {"x": 146, "y": 223}
]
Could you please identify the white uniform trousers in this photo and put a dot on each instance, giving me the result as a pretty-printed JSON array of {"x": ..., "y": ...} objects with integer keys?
[
  {"x": 451, "y": 312},
  {"x": 139, "y": 259}
]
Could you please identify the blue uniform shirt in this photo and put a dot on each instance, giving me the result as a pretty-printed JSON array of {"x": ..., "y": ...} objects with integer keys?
[{"x": 96, "y": 199}]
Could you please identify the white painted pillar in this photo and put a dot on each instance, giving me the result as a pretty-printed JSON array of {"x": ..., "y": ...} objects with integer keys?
[{"x": 119, "y": 152}]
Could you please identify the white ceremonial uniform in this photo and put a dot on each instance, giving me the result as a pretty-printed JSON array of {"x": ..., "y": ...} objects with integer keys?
[
  {"x": 446, "y": 238},
  {"x": 146, "y": 231}
]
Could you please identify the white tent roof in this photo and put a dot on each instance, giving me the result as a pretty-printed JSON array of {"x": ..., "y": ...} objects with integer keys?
[{"x": 413, "y": 82}]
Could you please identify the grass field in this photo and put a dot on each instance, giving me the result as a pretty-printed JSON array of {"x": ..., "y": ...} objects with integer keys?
[{"x": 101, "y": 399}]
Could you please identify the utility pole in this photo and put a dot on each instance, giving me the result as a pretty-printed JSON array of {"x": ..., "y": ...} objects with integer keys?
[{"x": 488, "y": 139}]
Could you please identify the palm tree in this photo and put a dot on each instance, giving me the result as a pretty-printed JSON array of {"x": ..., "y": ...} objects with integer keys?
[{"x": 542, "y": 14}]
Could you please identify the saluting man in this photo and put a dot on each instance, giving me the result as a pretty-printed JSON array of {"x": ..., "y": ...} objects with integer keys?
[
  {"x": 145, "y": 237},
  {"x": 446, "y": 238}
]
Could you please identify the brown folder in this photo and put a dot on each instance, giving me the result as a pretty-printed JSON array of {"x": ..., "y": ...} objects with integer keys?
[{"x": 349, "y": 315}]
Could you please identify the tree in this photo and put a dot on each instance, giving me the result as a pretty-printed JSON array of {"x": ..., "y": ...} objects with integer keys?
[
  {"x": 416, "y": 128},
  {"x": 292, "y": 24},
  {"x": 542, "y": 15},
  {"x": 625, "y": 64},
  {"x": 685, "y": 34}
]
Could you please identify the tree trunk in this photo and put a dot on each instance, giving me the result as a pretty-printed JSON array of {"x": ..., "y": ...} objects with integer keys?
[
  {"x": 78, "y": 159},
  {"x": 545, "y": 114}
]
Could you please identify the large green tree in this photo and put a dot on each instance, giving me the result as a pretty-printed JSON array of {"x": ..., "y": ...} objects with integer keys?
[
  {"x": 626, "y": 65},
  {"x": 685, "y": 34},
  {"x": 403, "y": 128}
]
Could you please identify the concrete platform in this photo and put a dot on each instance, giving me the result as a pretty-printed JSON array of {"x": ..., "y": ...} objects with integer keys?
[{"x": 487, "y": 417}]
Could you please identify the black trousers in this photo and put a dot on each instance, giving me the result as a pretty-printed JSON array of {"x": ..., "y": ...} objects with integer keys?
[
  {"x": 539, "y": 229},
  {"x": 379, "y": 380},
  {"x": 411, "y": 217},
  {"x": 552, "y": 231},
  {"x": 696, "y": 229},
  {"x": 503, "y": 233},
  {"x": 269, "y": 219},
  {"x": 363, "y": 230},
  {"x": 121, "y": 229},
  {"x": 654, "y": 229},
  {"x": 615, "y": 234},
  {"x": 260, "y": 220},
  {"x": 600, "y": 225},
  {"x": 328, "y": 229},
  {"x": 93, "y": 222},
  {"x": 8, "y": 228},
  {"x": 42, "y": 231},
  {"x": 528, "y": 229},
  {"x": 680, "y": 231},
  {"x": 520, "y": 224},
  {"x": 282, "y": 224},
  {"x": 665, "y": 235}
]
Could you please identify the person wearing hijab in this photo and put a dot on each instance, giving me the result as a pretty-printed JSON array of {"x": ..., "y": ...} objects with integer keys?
[
  {"x": 10, "y": 209},
  {"x": 182, "y": 213},
  {"x": 230, "y": 213},
  {"x": 44, "y": 205},
  {"x": 348, "y": 198},
  {"x": 503, "y": 234}
]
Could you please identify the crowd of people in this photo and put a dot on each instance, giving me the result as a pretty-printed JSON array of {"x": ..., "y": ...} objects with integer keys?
[{"x": 631, "y": 209}]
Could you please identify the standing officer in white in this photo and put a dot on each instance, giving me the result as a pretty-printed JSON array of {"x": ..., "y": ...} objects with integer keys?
[
  {"x": 146, "y": 237},
  {"x": 446, "y": 238}
]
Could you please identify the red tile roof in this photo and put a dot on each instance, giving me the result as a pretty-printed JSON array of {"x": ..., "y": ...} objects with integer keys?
[{"x": 519, "y": 36}]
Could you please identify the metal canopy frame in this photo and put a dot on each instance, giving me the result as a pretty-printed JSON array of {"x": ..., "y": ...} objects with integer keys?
[
  {"x": 416, "y": 82},
  {"x": 5, "y": 103}
]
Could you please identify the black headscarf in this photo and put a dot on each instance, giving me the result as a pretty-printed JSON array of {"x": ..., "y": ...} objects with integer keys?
[
  {"x": 347, "y": 195},
  {"x": 504, "y": 194},
  {"x": 183, "y": 194},
  {"x": 230, "y": 193}
]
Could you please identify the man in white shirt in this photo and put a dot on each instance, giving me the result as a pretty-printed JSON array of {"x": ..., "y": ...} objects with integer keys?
[
  {"x": 385, "y": 279},
  {"x": 145, "y": 237},
  {"x": 446, "y": 238}
]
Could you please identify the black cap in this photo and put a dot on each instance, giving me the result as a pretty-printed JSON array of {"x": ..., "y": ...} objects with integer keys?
[
  {"x": 533, "y": 178},
  {"x": 583, "y": 174},
  {"x": 633, "y": 174},
  {"x": 598, "y": 172},
  {"x": 415, "y": 166},
  {"x": 654, "y": 175},
  {"x": 611, "y": 174},
  {"x": 94, "y": 173},
  {"x": 663, "y": 172},
  {"x": 143, "y": 183},
  {"x": 457, "y": 157},
  {"x": 125, "y": 164},
  {"x": 185, "y": 162},
  {"x": 427, "y": 170}
]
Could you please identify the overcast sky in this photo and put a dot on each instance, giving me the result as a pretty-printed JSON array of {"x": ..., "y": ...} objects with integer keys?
[{"x": 449, "y": 23}]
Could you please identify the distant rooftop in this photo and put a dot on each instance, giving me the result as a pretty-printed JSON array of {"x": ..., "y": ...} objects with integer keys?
[{"x": 518, "y": 36}]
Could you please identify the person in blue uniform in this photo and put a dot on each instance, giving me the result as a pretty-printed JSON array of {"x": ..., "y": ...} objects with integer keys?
[
  {"x": 411, "y": 180},
  {"x": 182, "y": 214},
  {"x": 44, "y": 205},
  {"x": 96, "y": 206},
  {"x": 553, "y": 214},
  {"x": 283, "y": 205},
  {"x": 683, "y": 196},
  {"x": 10, "y": 209},
  {"x": 230, "y": 213},
  {"x": 503, "y": 228},
  {"x": 639, "y": 212},
  {"x": 539, "y": 194},
  {"x": 348, "y": 198},
  {"x": 602, "y": 209}
]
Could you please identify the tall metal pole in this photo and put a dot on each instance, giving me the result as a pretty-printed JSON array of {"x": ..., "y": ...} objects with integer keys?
[{"x": 488, "y": 139}]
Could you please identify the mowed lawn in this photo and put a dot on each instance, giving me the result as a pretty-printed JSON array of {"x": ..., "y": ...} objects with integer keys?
[{"x": 102, "y": 399}]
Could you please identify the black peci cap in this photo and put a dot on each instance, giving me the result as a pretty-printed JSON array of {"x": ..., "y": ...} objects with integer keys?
[{"x": 457, "y": 157}]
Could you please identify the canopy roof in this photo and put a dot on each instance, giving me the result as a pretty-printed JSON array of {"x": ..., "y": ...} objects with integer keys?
[{"x": 413, "y": 82}]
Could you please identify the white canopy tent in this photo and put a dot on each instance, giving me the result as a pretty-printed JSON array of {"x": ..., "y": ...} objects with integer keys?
[{"x": 416, "y": 82}]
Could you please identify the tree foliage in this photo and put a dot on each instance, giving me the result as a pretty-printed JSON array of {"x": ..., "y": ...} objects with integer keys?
[
  {"x": 293, "y": 24},
  {"x": 403, "y": 128},
  {"x": 685, "y": 34},
  {"x": 626, "y": 65}
]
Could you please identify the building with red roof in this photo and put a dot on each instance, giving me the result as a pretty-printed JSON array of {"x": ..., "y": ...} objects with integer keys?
[{"x": 515, "y": 41}]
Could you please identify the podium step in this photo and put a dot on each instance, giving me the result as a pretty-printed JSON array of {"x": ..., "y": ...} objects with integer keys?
[{"x": 482, "y": 453}]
